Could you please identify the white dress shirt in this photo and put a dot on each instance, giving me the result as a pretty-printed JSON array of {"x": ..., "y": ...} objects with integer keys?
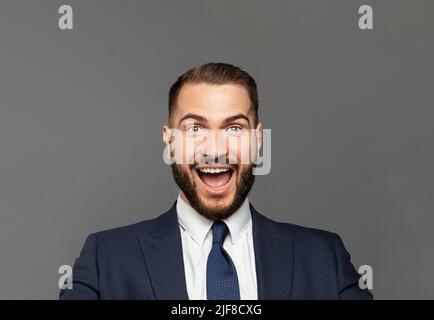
[{"x": 196, "y": 235}]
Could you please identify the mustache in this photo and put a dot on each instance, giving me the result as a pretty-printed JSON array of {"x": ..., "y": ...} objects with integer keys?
[{"x": 214, "y": 160}]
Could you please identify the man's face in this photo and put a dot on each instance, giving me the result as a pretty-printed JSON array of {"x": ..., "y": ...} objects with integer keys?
[{"x": 214, "y": 144}]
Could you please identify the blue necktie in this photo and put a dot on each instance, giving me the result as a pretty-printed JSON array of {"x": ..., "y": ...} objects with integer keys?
[{"x": 221, "y": 275}]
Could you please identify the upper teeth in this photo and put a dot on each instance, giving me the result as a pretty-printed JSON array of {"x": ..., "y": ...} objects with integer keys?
[{"x": 213, "y": 170}]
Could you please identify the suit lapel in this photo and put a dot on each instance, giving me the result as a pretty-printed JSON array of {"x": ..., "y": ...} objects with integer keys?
[
  {"x": 274, "y": 258},
  {"x": 162, "y": 252}
]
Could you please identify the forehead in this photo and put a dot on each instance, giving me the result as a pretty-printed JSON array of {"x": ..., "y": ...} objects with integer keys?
[{"x": 212, "y": 101}]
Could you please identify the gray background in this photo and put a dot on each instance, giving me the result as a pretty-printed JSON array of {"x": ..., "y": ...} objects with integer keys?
[{"x": 351, "y": 114}]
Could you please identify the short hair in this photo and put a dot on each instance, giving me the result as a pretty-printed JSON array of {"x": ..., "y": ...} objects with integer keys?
[{"x": 216, "y": 73}]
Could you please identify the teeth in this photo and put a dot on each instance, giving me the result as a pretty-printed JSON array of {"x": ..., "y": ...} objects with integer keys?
[{"x": 213, "y": 170}]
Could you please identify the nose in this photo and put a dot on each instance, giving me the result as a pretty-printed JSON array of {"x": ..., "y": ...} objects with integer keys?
[{"x": 215, "y": 148}]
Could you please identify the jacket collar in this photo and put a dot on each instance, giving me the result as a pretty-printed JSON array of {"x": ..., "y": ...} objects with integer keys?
[{"x": 162, "y": 252}]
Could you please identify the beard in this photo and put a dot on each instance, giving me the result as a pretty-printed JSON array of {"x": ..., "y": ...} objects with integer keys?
[{"x": 244, "y": 183}]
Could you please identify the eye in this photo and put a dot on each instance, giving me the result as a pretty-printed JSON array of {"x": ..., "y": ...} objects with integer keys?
[
  {"x": 234, "y": 129},
  {"x": 194, "y": 129}
]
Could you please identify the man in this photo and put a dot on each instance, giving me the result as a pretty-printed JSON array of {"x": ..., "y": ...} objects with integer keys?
[{"x": 212, "y": 243}]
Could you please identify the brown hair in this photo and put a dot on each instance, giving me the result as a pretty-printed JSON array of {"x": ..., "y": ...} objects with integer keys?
[{"x": 216, "y": 73}]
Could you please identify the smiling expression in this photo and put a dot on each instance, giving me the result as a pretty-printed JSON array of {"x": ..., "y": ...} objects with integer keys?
[{"x": 215, "y": 123}]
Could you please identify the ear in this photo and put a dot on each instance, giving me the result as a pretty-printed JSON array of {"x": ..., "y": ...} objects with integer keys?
[
  {"x": 167, "y": 135},
  {"x": 259, "y": 136}
]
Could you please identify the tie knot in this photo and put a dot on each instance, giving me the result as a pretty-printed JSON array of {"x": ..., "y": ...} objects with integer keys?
[{"x": 219, "y": 232}]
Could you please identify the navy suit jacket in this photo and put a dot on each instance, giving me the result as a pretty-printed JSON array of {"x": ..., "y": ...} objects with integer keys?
[{"x": 145, "y": 261}]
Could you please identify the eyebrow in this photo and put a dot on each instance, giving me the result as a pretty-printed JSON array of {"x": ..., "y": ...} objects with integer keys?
[
  {"x": 236, "y": 117},
  {"x": 192, "y": 116},
  {"x": 203, "y": 119}
]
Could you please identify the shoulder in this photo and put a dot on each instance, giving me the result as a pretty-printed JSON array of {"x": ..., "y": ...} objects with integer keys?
[
  {"x": 127, "y": 236},
  {"x": 304, "y": 234},
  {"x": 303, "y": 237}
]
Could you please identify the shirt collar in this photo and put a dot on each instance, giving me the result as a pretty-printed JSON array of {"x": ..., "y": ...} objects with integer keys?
[{"x": 198, "y": 226}]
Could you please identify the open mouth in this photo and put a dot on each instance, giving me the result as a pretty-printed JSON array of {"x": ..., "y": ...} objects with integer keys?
[{"x": 215, "y": 177}]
